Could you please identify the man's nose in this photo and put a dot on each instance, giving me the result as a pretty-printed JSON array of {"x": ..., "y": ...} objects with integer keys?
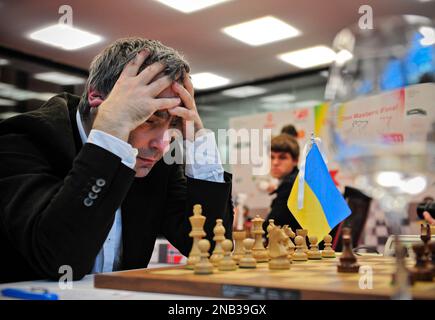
[{"x": 160, "y": 143}]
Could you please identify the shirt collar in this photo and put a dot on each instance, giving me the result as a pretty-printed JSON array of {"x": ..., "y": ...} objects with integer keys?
[{"x": 82, "y": 132}]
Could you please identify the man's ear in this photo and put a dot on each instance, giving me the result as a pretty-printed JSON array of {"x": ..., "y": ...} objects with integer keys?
[{"x": 94, "y": 98}]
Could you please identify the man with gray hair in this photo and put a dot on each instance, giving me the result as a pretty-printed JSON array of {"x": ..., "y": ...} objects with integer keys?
[{"x": 83, "y": 182}]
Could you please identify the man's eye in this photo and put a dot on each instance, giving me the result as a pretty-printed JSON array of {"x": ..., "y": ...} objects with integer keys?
[
  {"x": 150, "y": 122},
  {"x": 175, "y": 122}
]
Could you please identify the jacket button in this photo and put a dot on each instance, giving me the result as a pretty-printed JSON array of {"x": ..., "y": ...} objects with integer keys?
[
  {"x": 96, "y": 189},
  {"x": 88, "y": 202},
  {"x": 92, "y": 196},
  {"x": 100, "y": 182}
]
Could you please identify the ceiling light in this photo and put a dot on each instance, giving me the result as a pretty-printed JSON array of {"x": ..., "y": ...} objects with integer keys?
[
  {"x": 307, "y": 103},
  {"x": 414, "y": 185},
  {"x": 428, "y": 36},
  {"x": 243, "y": 92},
  {"x": 5, "y": 115},
  {"x": 278, "y": 98},
  {"x": 324, "y": 73},
  {"x": 11, "y": 92},
  {"x": 309, "y": 57},
  {"x": 206, "y": 80},
  {"x": 5, "y": 86},
  {"x": 275, "y": 106},
  {"x": 343, "y": 56},
  {"x": 62, "y": 79},
  {"x": 261, "y": 31},
  {"x": 207, "y": 108},
  {"x": 44, "y": 96},
  {"x": 7, "y": 103},
  {"x": 65, "y": 37},
  {"x": 289, "y": 105},
  {"x": 188, "y": 6},
  {"x": 389, "y": 178},
  {"x": 3, "y": 62}
]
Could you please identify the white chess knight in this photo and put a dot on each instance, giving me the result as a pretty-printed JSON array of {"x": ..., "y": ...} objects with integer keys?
[{"x": 277, "y": 249}]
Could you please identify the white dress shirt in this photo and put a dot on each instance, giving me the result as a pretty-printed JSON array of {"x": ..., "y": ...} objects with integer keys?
[{"x": 207, "y": 166}]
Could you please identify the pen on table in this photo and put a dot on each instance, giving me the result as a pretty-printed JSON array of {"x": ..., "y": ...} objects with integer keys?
[{"x": 29, "y": 294}]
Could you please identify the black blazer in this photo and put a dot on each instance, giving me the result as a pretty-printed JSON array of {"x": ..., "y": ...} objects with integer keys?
[
  {"x": 46, "y": 175},
  {"x": 279, "y": 210}
]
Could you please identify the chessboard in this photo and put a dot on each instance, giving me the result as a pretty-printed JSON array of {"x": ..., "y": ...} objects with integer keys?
[{"x": 312, "y": 279}]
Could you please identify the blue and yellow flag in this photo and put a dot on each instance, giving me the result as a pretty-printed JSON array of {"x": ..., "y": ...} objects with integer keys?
[{"x": 323, "y": 205}]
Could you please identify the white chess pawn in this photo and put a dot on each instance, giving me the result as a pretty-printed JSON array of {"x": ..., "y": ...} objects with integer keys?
[
  {"x": 248, "y": 260},
  {"x": 314, "y": 252},
  {"x": 300, "y": 254},
  {"x": 238, "y": 237},
  {"x": 227, "y": 263},
  {"x": 328, "y": 252},
  {"x": 204, "y": 266}
]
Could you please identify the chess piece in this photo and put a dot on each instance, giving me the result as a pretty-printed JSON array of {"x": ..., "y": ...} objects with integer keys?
[
  {"x": 238, "y": 237},
  {"x": 197, "y": 222},
  {"x": 277, "y": 250},
  {"x": 290, "y": 232},
  {"x": 303, "y": 233},
  {"x": 348, "y": 262},
  {"x": 432, "y": 250},
  {"x": 227, "y": 263},
  {"x": 289, "y": 243},
  {"x": 425, "y": 236},
  {"x": 328, "y": 252},
  {"x": 248, "y": 260},
  {"x": 299, "y": 254},
  {"x": 421, "y": 271},
  {"x": 204, "y": 266},
  {"x": 401, "y": 279},
  {"x": 219, "y": 236},
  {"x": 271, "y": 225},
  {"x": 314, "y": 252},
  {"x": 239, "y": 217},
  {"x": 259, "y": 252},
  {"x": 432, "y": 229}
]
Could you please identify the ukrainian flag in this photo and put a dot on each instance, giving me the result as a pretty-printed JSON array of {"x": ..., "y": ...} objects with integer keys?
[{"x": 323, "y": 205}]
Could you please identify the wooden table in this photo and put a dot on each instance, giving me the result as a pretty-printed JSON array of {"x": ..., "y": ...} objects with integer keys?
[{"x": 305, "y": 280}]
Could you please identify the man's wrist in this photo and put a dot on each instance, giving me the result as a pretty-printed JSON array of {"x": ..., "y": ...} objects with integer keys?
[
  {"x": 111, "y": 127},
  {"x": 115, "y": 145}
]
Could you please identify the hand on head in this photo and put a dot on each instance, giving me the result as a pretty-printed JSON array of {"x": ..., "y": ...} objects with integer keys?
[
  {"x": 189, "y": 112},
  {"x": 135, "y": 98}
]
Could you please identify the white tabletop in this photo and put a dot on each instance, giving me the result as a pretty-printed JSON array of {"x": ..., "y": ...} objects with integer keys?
[{"x": 84, "y": 290}]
